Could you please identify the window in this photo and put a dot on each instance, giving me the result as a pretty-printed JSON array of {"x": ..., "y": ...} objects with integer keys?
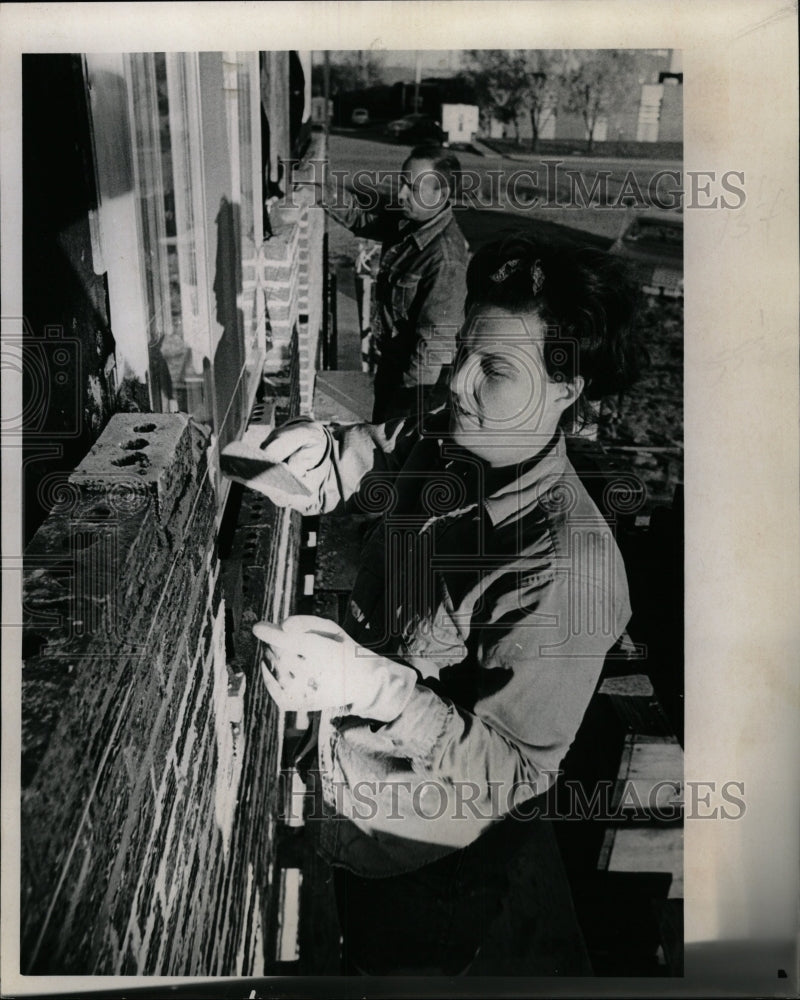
[{"x": 181, "y": 231}]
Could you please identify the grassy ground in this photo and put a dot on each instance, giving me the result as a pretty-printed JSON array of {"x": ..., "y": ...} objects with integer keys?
[{"x": 628, "y": 149}]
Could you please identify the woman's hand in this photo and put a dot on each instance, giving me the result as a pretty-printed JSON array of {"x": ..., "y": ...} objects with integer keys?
[
  {"x": 313, "y": 664},
  {"x": 306, "y": 666},
  {"x": 286, "y": 466}
]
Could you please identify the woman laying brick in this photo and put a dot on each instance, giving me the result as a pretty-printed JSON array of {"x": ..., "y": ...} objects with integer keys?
[{"x": 488, "y": 596}]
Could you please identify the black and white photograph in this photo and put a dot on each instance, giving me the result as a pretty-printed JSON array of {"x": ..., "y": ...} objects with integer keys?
[{"x": 374, "y": 598}]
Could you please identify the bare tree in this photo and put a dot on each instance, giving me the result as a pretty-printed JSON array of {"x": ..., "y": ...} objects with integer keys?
[
  {"x": 595, "y": 82},
  {"x": 512, "y": 83},
  {"x": 350, "y": 71},
  {"x": 542, "y": 71},
  {"x": 499, "y": 86}
]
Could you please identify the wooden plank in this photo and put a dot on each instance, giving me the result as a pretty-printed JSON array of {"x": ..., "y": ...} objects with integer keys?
[
  {"x": 649, "y": 849},
  {"x": 650, "y": 776},
  {"x": 640, "y": 714},
  {"x": 629, "y": 685},
  {"x": 343, "y": 396}
]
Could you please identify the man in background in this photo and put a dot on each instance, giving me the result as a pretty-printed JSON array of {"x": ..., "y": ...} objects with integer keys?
[{"x": 421, "y": 281}]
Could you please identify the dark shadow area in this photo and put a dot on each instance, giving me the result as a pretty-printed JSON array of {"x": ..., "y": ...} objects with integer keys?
[
  {"x": 481, "y": 226},
  {"x": 228, "y": 367},
  {"x": 67, "y": 355}
]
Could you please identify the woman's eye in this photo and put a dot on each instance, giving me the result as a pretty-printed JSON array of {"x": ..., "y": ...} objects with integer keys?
[{"x": 492, "y": 368}]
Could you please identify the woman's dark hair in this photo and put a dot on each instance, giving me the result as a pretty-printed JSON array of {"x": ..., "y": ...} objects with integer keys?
[
  {"x": 442, "y": 160},
  {"x": 584, "y": 299}
]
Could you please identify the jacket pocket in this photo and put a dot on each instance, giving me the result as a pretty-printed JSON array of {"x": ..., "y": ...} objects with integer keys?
[{"x": 404, "y": 290}]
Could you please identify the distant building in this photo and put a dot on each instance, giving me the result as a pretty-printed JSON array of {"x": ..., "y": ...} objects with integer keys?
[
  {"x": 318, "y": 110},
  {"x": 460, "y": 122}
]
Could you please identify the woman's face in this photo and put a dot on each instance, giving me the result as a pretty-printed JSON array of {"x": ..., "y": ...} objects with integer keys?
[{"x": 505, "y": 407}]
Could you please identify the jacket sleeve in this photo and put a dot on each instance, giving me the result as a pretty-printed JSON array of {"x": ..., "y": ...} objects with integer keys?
[
  {"x": 536, "y": 670},
  {"x": 375, "y": 222},
  {"x": 437, "y": 315}
]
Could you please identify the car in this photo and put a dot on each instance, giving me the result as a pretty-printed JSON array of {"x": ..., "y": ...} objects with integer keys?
[
  {"x": 412, "y": 128},
  {"x": 652, "y": 244},
  {"x": 360, "y": 116}
]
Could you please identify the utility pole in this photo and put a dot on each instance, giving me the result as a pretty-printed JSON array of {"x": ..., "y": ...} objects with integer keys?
[
  {"x": 326, "y": 88},
  {"x": 417, "y": 78}
]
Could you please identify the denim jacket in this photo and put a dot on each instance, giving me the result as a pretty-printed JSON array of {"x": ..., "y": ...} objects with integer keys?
[
  {"x": 419, "y": 291},
  {"x": 494, "y": 597}
]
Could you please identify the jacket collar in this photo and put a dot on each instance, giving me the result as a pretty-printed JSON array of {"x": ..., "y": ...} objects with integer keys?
[
  {"x": 522, "y": 488},
  {"x": 518, "y": 497},
  {"x": 427, "y": 232}
]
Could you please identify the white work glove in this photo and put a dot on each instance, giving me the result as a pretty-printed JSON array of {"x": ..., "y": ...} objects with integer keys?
[
  {"x": 313, "y": 664},
  {"x": 288, "y": 464}
]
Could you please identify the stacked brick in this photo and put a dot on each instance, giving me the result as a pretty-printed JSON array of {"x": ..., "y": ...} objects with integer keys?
[
  {"x": 311, "y": 256},
  {"x": 128, "y": 669},
  {"x": 312, "y": 233},
  {"x": 293, "y": 278},
  {"x": 281, "y": 253}
]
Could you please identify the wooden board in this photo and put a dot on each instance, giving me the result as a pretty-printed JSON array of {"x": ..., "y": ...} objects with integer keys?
[
  {"x": 650, "y": 776},
  {"x": 643, "y": 848},
  {"x": 343, "y": 396}
]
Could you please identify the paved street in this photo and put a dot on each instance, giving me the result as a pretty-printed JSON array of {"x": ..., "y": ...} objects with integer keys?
[{"x": 521, "y": 177}]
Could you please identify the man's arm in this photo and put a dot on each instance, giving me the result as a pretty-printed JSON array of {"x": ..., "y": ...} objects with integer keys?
[{"x": 375, "y": 222}]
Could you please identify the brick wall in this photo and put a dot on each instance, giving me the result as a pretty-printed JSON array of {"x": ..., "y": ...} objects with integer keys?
[
  {"x": 281, "y": 275},
  {"x": 293, "y": 263},
  {"x": 150, "y": 749}
]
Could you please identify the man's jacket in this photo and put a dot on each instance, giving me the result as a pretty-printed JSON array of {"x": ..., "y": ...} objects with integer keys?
[
  {"x": 419, "y": 291},
  {"x": 503, "y": 590}
]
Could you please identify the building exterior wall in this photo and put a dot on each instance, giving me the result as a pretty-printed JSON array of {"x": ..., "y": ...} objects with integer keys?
[
  {"x": 151, "y": 752},
  {"x": 460, "y": 121},
  {"x": 67, "y": 338},
  {"x": 670, "y": 125}
]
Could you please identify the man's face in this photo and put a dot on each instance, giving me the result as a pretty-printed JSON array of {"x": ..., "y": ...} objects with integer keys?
[
  {"x": 505, "y": 406},
  {"x": 421, "y": 196}
]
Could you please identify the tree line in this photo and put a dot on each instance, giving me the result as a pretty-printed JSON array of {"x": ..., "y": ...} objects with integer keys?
[
  {"x": 511, "y": 84},
  {"x": 538, "y": 83}
]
